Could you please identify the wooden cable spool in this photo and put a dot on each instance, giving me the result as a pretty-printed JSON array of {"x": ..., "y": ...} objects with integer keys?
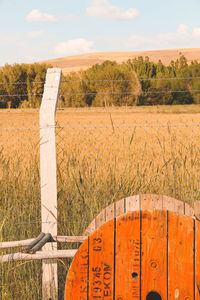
[{"x": 143, "y": 254}]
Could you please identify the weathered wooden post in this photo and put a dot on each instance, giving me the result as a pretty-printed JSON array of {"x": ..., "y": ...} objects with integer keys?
[{"x": 48, "y": 177}]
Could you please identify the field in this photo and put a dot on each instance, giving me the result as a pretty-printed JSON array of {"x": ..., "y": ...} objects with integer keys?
[{"x": 103, "y": 155}]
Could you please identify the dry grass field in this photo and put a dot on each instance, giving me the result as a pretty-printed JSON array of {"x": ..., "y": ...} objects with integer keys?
[
  {"x": 103, "y": 156},
  {"x": 84, "y": 61}
]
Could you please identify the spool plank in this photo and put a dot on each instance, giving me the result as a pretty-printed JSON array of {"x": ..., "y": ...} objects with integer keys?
[
  {"x": 127, "y": 260},
  {"x": 197, "y": 260},
  {"x": 77, "y": 280},
  {"x": 101, "y": 262},
  {"x": 100, "y": 219},
  {"x": 110, "y": 212},
  {"x": 132, "y": 203},
  {"x": 173, "y": 205},
  {"x": 180, "y": 257},
  {"x": 189, "y": 211},
  {"x": 150, "y": 202},
  {"x": 120, "y": 208},
  {"x": 154, "y": 253},
  {"x": 138, "y": 254}
]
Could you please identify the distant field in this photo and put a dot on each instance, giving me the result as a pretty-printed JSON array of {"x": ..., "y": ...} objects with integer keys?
[
  {"x": 103, "y": 155},
  {"x": 23, "y": 125},
  {"x": 119, "y": 134},
  {"x": 20, "y": 114},
  {"x": 84, "y": 61}
]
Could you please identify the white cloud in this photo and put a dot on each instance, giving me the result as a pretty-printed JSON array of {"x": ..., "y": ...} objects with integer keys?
[
  {"x": 183, "y": 29},
  {"x": 36, "y": 16},
  {"x": 76, "y": 46},
  {"x": 183, "y": 37},
  {"x": 196, "y": 32},
  {"x": 103, "y": 9},
  {"x": 35, "y": 34}
]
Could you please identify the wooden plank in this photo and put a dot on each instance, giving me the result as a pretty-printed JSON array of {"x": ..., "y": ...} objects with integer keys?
[
  {"x": 70, "y": 239},
  {"x": 90, "y": 229},
  {"x": 39, "y": 255},
  {"x": 60, "y": 239},
  {"x": 127, "y": 269},
  {"x": 197, "y": 259},
  {"x": 197, "y": 209},
  {"x": 110, "y": 212},
  {"x": 173, "y": 205},
  {"x": 13, "y": 244},
  {"x": 120, "y": 207},
  {"x": 100, "y": 219},
  {"x": 48, "y": 177},
  {"x": 76, "y": 287},
  {"x": 180, "y": 257},
  {"x": 154, "y": 253},
  {"x": 189, "y": 211},
  {"x": 101, "y": 262},
  {"x": 150, "y": 202},
  {"x": 133, "y": 203}
]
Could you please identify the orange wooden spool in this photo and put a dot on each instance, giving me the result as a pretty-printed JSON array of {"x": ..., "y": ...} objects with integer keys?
[{"x": 139, "y": 255}]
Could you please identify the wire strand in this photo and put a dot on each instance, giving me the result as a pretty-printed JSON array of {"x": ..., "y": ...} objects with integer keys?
[
  {"x": 20, "y": 95},
  {"x": 104, "y": 80},
  {"x": 107, "y": 93},
  {"x": 132, "y": 80},
  {"x": 131, "y": 93},
  {"x": 21, "y": 83}
]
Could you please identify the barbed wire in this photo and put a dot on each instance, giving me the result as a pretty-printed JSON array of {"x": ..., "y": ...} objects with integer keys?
[
  {"x": 21, "y": 83},
  {"x": 106, "y": 93},
  {"x": 123, "y": 125},
  {"x": 130, "y": 93},
  {"x": 35, "y": 222},
  {"x": 20, "y": 95},
  {"x": 22, "y": 128},
  {"x": 103, "y": 80},
  {"x": 162, "y": 92},
  {"x": 110, "y": 93},
  {"x": 129, "y": 127},
  {"x": 132, "y": 80}
]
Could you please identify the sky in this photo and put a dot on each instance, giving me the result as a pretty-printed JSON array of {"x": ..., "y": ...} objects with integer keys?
[{"x": 44, "y": 29}]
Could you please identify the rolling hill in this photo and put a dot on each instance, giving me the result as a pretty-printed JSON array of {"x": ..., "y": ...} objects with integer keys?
[{"x": 84, "y": 61}]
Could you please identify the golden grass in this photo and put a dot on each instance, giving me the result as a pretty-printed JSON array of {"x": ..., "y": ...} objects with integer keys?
[{"x": 103, "y": 156}]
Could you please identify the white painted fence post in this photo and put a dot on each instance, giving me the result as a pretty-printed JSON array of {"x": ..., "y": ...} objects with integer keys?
[{"x": 48, "y": 178}]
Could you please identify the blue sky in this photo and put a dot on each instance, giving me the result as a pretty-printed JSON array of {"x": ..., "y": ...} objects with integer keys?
[{"x": 44, "y": 29}]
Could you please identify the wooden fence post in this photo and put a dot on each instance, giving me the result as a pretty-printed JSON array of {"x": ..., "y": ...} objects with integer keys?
[{"x": 48, "y": 178}]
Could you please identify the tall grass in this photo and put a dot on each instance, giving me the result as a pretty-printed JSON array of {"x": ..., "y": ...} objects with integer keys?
[{"x": 96, "y": 166}]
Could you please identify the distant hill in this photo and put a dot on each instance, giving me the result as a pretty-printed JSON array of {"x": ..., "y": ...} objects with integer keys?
[{"x": 84, "y": 61}]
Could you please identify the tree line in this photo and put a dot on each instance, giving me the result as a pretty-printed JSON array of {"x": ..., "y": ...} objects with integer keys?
[
  {"x": 138, "y": 81},
  {"x": 21, "y": 85}
]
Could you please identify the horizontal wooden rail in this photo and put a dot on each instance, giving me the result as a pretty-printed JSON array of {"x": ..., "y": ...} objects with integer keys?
[
  {"x": 14, "y": 244},
  {"x": 59, "y": 239},
  {"x": 38, "y": 255},
  {"x": 70, "y": 239}
]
